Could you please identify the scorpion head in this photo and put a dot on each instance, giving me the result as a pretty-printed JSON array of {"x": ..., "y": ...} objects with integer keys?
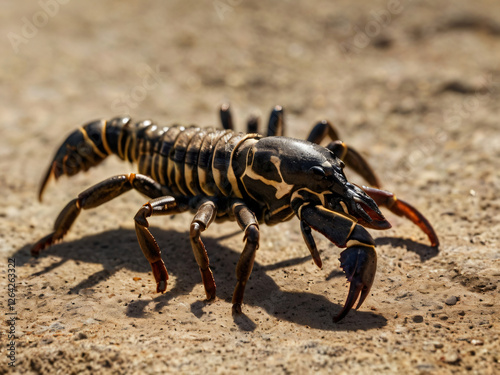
[
  {"x": 283, "y": 171},
  {"x": 292, "y": 176}
]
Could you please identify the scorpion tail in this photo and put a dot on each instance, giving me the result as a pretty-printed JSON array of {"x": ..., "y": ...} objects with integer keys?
[{"x": 85, "y": 148}]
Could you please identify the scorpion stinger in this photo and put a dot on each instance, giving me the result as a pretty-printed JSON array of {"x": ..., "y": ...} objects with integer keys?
[{"x": 221, "y": 175}]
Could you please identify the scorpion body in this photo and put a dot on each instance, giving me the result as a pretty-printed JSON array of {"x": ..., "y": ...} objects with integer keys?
[
  {"x": 225, "y": 175},
  {"x": 188, "y": 162}
]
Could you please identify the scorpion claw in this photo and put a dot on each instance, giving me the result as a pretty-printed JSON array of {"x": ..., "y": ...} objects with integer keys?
[
  {"x": 359, "y": 260},
  {"x": 42, "y": 244},
  {"x": 404, "y": 209},
  {"x": 161, "y": 275},
  {"x": 43, "y": 185},
  {"x": 359, "y": 264}
]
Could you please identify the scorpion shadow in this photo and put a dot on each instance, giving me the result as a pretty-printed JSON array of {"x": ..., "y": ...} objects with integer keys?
[
  {"x": 117, "y": 249},
  {"x": 425, "y": 252}
]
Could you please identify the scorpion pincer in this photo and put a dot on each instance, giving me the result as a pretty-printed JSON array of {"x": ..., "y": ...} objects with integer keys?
[{"x": 248, "y": 178}]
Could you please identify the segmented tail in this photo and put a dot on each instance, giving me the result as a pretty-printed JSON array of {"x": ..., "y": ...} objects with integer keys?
[
  {"x": 185, "y": 160},
  {"x": 86, "y": 147}
]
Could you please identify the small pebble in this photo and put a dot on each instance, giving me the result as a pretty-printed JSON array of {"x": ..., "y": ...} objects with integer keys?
[
  {"x": 450, "y": 301},
  {"x": 477, "y": 342},
  {"x": 56, "y": 326},
  {"x": 47, "y": 340},
  {"x": 418, "y": 318},
  {"x": 451, "y": 357},
  {"x": 80, "y": 336},
  {"x": 426, "y": 367}
]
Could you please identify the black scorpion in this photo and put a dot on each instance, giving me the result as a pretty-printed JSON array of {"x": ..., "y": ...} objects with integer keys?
[{"x": 223, "y": 175}]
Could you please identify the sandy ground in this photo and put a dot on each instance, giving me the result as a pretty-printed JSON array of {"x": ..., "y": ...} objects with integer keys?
[{"x": 415, "y": 86}]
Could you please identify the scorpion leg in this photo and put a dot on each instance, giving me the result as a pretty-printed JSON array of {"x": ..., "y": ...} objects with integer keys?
[
  {"x": 253, "y": 124},
  {"x": 349, "y": 155},
  {"x": 247, "y": 221},
  {"x": 358, "y": 260},
  {"x": 354, "y": 160},
  {"x": 225, "y": 117},
  {"x": 322, "y": 130},
  {"x": 93, "y": 197},
  {"x": 402, "y": 208},
  {"x": 276, "y": 125},
  {"x": 204, "y": 216},
  {"x": 311, "y": 244},
  {"x": 159, "y": 206}
]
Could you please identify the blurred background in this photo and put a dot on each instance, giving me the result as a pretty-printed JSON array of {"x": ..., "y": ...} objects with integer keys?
[
  {"x": 380, "y": 71},
  {"x": 371, "y": 69}
]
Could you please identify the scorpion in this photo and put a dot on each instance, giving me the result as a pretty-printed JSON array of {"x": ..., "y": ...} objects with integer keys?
[{"x": 220, "y": 174}]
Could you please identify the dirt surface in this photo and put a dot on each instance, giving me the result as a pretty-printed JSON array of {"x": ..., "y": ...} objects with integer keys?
[{"x": 415, "y": 86}]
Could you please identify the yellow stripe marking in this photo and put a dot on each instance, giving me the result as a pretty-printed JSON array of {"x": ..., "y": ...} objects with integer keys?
[
  {"x": 344, "y": 207},
  {"x": 154, "y": 175},
  {"x": 202, "y": 180},
  {"x": 215, "y": 172},
  {"x": 120, "y": 151},
  {"x": 299, "y": 211},
  {"x": 279, "y": 209},
  {"x": 104, "y": 140},
  {"x": 145, "y": 163},
  {"x": 160, "y": 170},
  {"x": 354, "y": 223},
  {"x": 188, "y": 177},
  {"x": 358, "y": 243},
  {"x": 282, "y": 188},
  {"x": 178, "y": 179},
  {"x": 230, "y": 171},
  {"x": 125, "y": 151},
  {"x": 91, "y": 142}
]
